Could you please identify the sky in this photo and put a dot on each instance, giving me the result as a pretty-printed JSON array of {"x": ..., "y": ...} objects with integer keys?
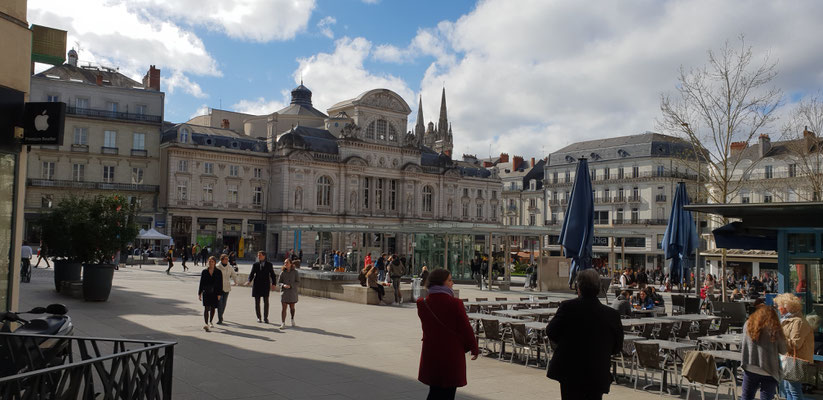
[{"x": 524, "y": 77}]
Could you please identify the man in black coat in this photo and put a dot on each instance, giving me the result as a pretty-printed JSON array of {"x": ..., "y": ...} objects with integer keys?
[{"x": 586, "y": 334}]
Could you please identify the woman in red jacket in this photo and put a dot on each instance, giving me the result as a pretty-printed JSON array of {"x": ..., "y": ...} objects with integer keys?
[{"x": 447, "y": 336}]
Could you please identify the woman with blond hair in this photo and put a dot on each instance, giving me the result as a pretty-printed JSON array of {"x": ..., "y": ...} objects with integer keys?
[
  {"x": 799, "y": 340},
  {"x": 763, "y": 342}
]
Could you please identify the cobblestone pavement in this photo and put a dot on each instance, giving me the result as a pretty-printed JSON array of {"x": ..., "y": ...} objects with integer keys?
[{"x": 339, "y": 350}]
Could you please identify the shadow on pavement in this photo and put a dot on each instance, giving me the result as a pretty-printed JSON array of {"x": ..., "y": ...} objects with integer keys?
[{"x": 211, "y": 367}]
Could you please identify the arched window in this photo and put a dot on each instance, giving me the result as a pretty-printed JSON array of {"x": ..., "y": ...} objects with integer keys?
[
  {"x": 427, "y": 199},
  {"x": 370, "y": 131},
  {"x": 324, "y": 192},
  {"x": 381, "y": 129},
  {"x": 392, "y": 133}
]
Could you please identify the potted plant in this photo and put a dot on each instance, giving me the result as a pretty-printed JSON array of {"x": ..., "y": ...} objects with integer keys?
[
  {"x": 106, "y": 225},
  {"x": 57, "y": 232}
]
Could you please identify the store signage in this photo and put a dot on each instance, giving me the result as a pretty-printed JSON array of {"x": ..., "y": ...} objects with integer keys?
[{"x": 43, "y": 123}]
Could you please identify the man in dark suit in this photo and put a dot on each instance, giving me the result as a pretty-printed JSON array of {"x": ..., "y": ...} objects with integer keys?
[{"x": 586, "y": 334}]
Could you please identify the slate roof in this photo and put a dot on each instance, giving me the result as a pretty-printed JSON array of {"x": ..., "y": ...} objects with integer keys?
[
  {"x": 313, "y": 139},
  {"x": 647, "y": 144},
  {"x": 535, "y": 173},
  {"x": 299, "y": 109},
  {"x": 781, "y": 149},
  {"x": 214, "y": 137},
  {"x": 88, "y": 76}
]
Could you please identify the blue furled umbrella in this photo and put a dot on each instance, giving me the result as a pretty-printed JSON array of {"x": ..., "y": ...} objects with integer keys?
[
  {"x": 577, "y": 233},
  {"x": 680, "y": 239}
]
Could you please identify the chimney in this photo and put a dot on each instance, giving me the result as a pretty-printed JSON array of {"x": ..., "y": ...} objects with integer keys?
[
  {"x": 807, "y": 133},
  {"x": 99, "y": 79},
  {"x": 487, "y": 164},
  {"x": 72, "y": 58},
  {"x": 152, "y": 79},
  {"x": 765, "y": 144},
  {"x": 531, "y": 163},
  {"x": 448, "y": 153},
  {"x": 517, "y": 163},
  {"x": 504, "y": 157},
  {"x": 738, "y": 146},
  {"x": 225, "y": 124}
]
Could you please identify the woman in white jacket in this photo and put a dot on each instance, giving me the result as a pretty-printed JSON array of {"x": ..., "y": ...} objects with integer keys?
[{"x": 229, "y": 274}]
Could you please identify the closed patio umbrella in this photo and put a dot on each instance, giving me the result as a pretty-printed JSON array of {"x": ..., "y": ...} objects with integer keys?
[
  {"x": 680, "y": 239},
  {"x": 577, "y": 234}
]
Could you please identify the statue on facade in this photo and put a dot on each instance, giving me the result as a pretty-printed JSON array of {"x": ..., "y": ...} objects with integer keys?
[
  {"x": 353, "y": 201},
  {"x": 298, "y": 198},
  {"x": 350, "y": 131},
  {"x": 410, "y": 140},
  {"x": 409, "y": 204}
]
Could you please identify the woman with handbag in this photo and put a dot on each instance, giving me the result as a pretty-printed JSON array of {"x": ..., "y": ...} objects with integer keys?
[
  {"x": 800, "y": 346},
  {"x": 763, "y": 342},
  {"x": 210, "y": 291},
  {"x": 447, "y": 336}
]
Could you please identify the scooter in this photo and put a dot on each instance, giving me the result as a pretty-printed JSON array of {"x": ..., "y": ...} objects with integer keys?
[{"x": 24, "y": 354}]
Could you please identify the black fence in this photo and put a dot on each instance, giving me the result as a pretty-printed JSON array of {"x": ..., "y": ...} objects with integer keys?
[{"x": 85, "y": 368}]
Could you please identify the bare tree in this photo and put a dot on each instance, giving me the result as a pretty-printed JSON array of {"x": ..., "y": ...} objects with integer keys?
[
  {"x": 718, "y": 107},
  {"x": 803, "y": 143}
]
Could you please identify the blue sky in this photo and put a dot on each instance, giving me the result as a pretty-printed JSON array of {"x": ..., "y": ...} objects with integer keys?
[{"x": 525, "y": 77}]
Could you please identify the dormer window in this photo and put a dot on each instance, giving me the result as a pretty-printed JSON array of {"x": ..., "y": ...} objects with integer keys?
[{"x": 184, "y": 135}]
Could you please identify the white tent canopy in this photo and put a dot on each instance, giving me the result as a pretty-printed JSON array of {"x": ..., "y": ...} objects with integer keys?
[{"x": 152, "y": 234}]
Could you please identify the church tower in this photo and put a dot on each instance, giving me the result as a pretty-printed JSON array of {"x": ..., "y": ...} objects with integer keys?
[
  {"x": 420, "y": 127},
  {"x": 444, "y": 143}
]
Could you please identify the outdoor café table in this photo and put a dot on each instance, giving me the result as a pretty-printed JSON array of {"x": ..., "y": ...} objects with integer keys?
[
  {"x": 641, "y": 321},
  {"x": 653, "y": 312},
  {"x": 515, "y": 313},
  {"x": 735, "y": 356},
  {"x": 726, "y": 339},
  {"x": 502, "y": 320},
  {"x": 691, "y": 317}
]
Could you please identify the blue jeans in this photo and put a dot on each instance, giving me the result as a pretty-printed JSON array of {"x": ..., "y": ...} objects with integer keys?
[
  {"x": 222, "y": 306},
  {"x": 791, "y": 390},
  {"x": 381, "y": 275},
  {"x": 752, "y": 381}
]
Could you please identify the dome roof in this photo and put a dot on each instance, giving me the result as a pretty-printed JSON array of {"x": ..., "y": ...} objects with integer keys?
[{"x": 301, "y": 95}]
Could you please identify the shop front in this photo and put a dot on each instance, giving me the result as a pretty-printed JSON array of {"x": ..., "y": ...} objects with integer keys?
[
  {"x": 453, "y": 252},
  {"x": 181, "y": 231},
  {"x": 232, "y": 233},
  {"x": 255, "y": 239},
  {"x": 207, "y": 233}
]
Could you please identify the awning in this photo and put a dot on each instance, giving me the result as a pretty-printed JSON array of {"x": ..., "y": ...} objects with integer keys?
[
  {"x": 737, "y": 236},
  {"x": 152, "y": 234},
  {"x": 768, "y": 215}
]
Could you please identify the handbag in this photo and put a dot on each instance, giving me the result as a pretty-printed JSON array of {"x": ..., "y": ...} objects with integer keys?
[
  {"x": 466, "y": 346},
  {"x": 795, "y": 369}
]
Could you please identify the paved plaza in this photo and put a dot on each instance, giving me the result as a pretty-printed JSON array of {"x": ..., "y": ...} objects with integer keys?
[{"x": 339, "y": 350}]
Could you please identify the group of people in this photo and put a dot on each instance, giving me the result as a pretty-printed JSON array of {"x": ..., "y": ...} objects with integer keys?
[
  {"x": 217, "y": 278},
  {"x": 384, "y": 271},
  {"x": 196, "y": 253},
  {"x": 644, "y": 299}
]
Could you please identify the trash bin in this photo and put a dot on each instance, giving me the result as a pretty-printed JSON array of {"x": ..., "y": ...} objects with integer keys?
[{"x": 416, "y": 288}]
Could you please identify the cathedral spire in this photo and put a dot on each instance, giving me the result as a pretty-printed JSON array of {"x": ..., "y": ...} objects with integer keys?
[
  {"x": 420, "y": 127},
  {"x": 443, "y": 123}
]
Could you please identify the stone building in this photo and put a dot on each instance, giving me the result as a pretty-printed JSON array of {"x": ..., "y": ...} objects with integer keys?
[
  {"x": 633, "y": 179},
  {"x": 111, "y": 142},
  {"x": 330, "y": 178}
]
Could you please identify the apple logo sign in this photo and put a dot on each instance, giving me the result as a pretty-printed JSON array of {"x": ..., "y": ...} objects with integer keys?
[{"x": 41, "y": 122}]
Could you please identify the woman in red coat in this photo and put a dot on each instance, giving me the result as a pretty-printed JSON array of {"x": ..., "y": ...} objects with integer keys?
[{"x": 447, "y": 336}]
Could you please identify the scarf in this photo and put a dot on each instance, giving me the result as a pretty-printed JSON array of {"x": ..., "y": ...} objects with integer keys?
[{"x": 441, "y": 289}]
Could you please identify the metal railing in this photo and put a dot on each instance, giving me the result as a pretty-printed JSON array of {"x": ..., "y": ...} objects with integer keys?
[
  {"x": 95, "y": 113},
  {"x": 139, "y": 153},
  {"x": 660, "y": 197},
  {"x": 639, "y": 221},
  {"x": 625, "y": 176},
  {"x": 86, "y": 369},
  {"x": 80, "y": 148},
  {"x": 92, "y": 185},
  {"x": 634, "y": 199},
  {"x": 109, "y": 150}
]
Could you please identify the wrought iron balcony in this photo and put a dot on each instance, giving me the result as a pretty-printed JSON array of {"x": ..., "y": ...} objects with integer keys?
[
  {"x": 660, "y": 198},
  {"x": 80, "y": 148},
  {"x": 92, "y": 185},
  {"x": 109, "y": 150},
  {"x": 139, "y": 153},
  {"x": 634, "y": 199},
  {"x": 638, "y": 221},
  {"x": 106, "y": 114}
]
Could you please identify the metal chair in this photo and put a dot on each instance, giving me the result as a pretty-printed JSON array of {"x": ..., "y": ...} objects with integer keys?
[
  {"x": 678, "y": 304},
  {"x": 665, "y": 331},
  {"x": 702, "y": 329},
  {"x": 722, "y": 328},
  {"x": 520, "y": 339},
  {"x": 724, "y": 376},
  {"x": 683, "y": 330},
  {"x": 648, "y": 331},
  {"x": 492, "y": 333},
  {"x": 691, "y": 305},
  {"x": 647, "y": 357}
]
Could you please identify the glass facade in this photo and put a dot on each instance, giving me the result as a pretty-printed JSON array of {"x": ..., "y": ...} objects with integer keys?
[
  {"x": 8, "y": 162},
  {"x": 431, "y": 250},
  {"x": 801, "y": 267}
]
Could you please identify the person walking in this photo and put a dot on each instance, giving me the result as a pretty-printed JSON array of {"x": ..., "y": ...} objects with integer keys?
[
  {"x": 210, "y": 292},
  {"x": 186, "y": 255},
  {"x": 289, "y": 283},
  {"x": 447, "y": 337},
  {"x": 42, "y": 254},
  {"x": 763, "y": 342},
  {"x": 371, "y": 281},
  {"x": 586, "y": 334},
  {"x": 262, "y": 274},
  {"x": 424, "y": 276},
  {"x": 233, "y": 260},
  {"x": 381, "y": 268},
  {"x": 367, "y": 262},
  {"x": 25, "y": 261},
  {"x": 229, "y": 275},
  {"x": 529, "y": 272},
  {"x": 204, "y": 254},
  {"x": 170, "y": 259},
  {"x": 195, "y": 252},
  {"x": 396, "y": 272},
  {"x": 799, "y": 341}
]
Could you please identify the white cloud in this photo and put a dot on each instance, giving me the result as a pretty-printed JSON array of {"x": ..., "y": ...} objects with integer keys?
[
  {"x": 341, "y": 75},
  {"x": 258, "y": 106},
  {"x": 325, "y": 25},
  {"x": 255, "y": 20},
  {"x": 109, "y": 33},
  {"x": 371, "y": 1},
  {"x": 534, "y": 75},
  {"x": 202, "y": 110}
]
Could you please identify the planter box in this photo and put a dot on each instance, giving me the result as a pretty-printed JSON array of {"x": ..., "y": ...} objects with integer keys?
[
  {"x": 97, "y": 279},
  {"x": 66, "y": 271}
]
